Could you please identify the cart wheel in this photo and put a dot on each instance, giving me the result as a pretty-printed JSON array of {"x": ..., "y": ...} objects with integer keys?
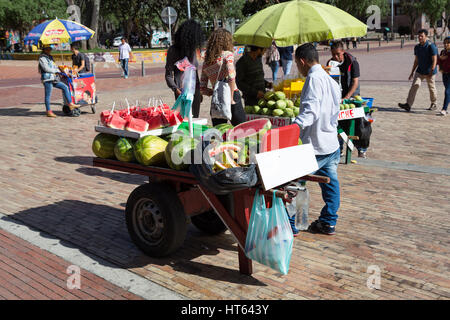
[
  {"x": 209, "y": 223},
  {"x": 155, "y": 219},
  {"x": 93, "y": 109}
]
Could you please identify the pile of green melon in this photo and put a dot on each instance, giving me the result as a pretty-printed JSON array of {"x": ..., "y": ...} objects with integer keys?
[{"x": 275, "y": 104}]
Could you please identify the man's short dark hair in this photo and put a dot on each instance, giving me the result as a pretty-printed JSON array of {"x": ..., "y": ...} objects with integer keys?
[
  {"x": 75, "y": 46},
  {"x": 307, "y": 52},
  {"x": 254, "y": 48},
  {"x": 424, "y": 31},
  {"x": 337, "y": 45}
]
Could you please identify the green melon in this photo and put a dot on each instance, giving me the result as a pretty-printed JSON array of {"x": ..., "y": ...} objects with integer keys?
[
  {"x": 290, "y": 103},
  {"x": 248, "y": 109},
  {"x": 123, "y": 149},
  {"x": 149, "y": 150},
  {"x": 179, "y": 151},
  {"x": 262, "y": 103},
  {"x": 277, "y": 112},
  {"x": 279, "y": 95},
  {"x": 256, "y": 109},
  {"x": 269, "y": 95},
  {"x": 103, "y": 145},
  {"x": 271, "y": 104},
  {"x": 281, "y": 104},
  {"x": 288, "y": 113}
]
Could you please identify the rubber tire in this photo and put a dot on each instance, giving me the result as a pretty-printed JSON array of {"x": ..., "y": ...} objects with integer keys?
[
  {"x": 209, "y": 222},
  {"x": 173, "y": 218},
  {"x": 66, "y": 110}
]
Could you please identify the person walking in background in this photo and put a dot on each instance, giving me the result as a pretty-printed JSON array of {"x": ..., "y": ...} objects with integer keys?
[
  {"x": 354, "y": 43},
  {"x": 286, "y": 59},
  {"x": 124, "y": 56},
  {"x": 444, "y": 66},
  {"x": 187, "y": 42},
  {"x": 49, "y": 77},
  {"x": 218, "y": 66},
  {"x": 273, "y": 60},
  {"x": 250, "y": 75},
  {"x": 318, "y": 121},
  {"x": 424, "y": 68}
]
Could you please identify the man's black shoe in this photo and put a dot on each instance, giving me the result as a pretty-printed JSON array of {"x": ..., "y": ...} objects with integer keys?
[
  {"x": 405, "y": 106},
  {"x": 320, "y": 227}
]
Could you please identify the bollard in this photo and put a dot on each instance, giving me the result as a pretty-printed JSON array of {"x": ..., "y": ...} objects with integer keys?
[
  {"x": 143, "y": 68},
  {"x": 401, "y": 44},
  {"x": 368, "y": 47},
  {"x": 379, "y": 42}
]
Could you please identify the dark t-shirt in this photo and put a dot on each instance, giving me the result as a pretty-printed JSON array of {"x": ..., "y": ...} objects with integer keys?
[
  {"x": 349, "y": 70},
  {"x": 286, "y": 52},
  {"x": 250, "y": 78},
  {"x": 76, "y": 60},
  {"x": 425, "y": 55}
]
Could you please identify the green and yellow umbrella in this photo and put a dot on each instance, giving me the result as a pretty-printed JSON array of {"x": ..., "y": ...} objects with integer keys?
[{"x": 298, "y": 22}]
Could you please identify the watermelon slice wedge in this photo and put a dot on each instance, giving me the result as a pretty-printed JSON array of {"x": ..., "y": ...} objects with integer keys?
[
  {"x": 136, "y": 125},
  {"x": 117, "y": 122}
]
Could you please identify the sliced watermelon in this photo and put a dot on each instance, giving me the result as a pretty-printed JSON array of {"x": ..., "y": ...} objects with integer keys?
[
  {"x": 117, "y": 122},
  {"x": 254, "y": 130},
  {"x": 175, "y": 118},
  {"x": 155, "y": 121},
  {"x": 136, "y": 125},
  {"x": 105, "y": 117}
]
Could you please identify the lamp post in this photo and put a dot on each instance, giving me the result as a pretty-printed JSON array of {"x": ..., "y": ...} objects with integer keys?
[
  {"x": 392, "y": 19},
  {"x": 189, "y": 8}
]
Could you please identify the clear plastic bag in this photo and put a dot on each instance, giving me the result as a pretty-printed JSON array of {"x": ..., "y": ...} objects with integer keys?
[
  {"x": 184, "y": 101},
  {"x": 269, "y": 236}
]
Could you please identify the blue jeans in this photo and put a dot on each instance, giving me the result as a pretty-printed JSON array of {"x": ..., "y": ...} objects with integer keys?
[
  {"x": 286, "y": 65},
  {"x": 446, "y": 79},
  {"x": 124, "y": 64},
  {"x": 48, "y": 86},
  {"x": 274, "y": 65},
  {"x": 330, "y": 191}
]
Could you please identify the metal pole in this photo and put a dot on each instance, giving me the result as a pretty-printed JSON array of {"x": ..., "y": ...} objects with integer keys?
[
  {"x": 143, "y": 68},
  {"x": 392, "y": 18},
  {"x": 170, "y": 28},
  {"x": 189, "y": 8}
]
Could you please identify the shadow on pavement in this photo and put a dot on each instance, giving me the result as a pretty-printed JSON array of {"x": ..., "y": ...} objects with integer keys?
[
  {"x": 92, "y": 171},
  {"x": 25, "y": 112},
  {"x": 398, "y": 109},
  {"x": 100, "y": 232}
]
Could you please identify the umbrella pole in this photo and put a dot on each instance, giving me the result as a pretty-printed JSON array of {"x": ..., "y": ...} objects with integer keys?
[{"x": 191, "y": 129}]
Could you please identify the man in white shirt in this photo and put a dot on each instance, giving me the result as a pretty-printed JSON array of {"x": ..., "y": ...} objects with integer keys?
[
  {"x": 124, "y": 56},
  {"x": 318, "y": 120}
]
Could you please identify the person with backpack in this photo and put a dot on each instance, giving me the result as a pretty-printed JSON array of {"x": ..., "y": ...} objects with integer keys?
[
  {"x": 424, "y": 68},
  {"x": 219, "y": 66},
  {"x": 350, "y": 73},
  {"x": 50, "y": 78}
]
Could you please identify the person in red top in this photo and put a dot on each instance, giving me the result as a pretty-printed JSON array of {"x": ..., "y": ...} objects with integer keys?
[{"x": 444, "y": 66}]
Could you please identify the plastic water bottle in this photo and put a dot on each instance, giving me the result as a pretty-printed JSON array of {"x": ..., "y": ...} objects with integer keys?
[{"x": 302, "y": 206}]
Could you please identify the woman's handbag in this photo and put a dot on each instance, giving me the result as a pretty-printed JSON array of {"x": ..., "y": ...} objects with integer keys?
[{"x": 221, "y": 98}]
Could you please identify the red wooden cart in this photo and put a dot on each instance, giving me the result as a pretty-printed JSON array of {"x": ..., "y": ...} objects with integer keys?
[{"x": 157, "y": 213}]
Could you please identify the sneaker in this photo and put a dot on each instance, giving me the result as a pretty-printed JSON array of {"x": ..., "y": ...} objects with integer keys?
[
  {"x": 51, "y": 114},
  {"x": 320, "y": 227},
  {"x": 405, "y": 106},
  {"x": 362, "y": 154},
  {"x": 432, "y": 106},
  {"x": 126, "y": 77},
  {"x": 442, "y": 113}
]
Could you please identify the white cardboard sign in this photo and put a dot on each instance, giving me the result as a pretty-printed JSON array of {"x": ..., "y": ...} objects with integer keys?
[{"x": 281, "y": 166}]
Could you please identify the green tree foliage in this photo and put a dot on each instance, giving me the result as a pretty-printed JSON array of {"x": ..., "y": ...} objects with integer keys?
[
  {"x": 23, "y": 15},
  {"x": 434, "y": 10}
]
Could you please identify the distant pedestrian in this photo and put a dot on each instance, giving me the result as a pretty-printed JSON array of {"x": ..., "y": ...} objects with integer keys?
[
  {"x": 347, "y": 43},
  {"x": 444, "y": 65},
  {"x": 354, "y": 43},
  {"x": 50, "y": 78},
  {"x": 219, "y": 66},
  {"x": 286, "y": 55},
  {"x": 187, "y": 42},
  {"x": 424, "y": 68},
  {"x": 273, "y": 60},
  {"x": 124, "y": 56}
]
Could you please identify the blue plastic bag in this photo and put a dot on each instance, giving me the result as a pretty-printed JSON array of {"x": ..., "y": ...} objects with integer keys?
[{"x": 269, "y": 236}]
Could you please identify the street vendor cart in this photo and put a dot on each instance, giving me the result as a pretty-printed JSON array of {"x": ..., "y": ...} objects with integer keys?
[
  {"x": 157, "y": 212},
  {"x": 83, "y": 91}
]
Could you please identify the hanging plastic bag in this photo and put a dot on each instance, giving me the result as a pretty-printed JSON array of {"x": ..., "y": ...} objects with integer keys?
[
  {"x": 184, "y": 101},
  {"x": 269, "y": 236}
]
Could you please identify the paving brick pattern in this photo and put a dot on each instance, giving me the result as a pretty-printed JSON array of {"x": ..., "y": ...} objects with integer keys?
[
  {"x": 394, "y": 219},
  {"x": 29, "y": 273}
]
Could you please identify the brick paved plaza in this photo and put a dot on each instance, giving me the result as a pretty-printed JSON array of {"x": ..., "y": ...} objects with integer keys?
[{"x": 394, "y": 214}]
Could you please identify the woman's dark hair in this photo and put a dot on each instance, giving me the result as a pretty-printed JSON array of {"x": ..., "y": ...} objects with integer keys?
[
  {"x": 307, "y": 52},
  {"x": 188, "y": 38}
]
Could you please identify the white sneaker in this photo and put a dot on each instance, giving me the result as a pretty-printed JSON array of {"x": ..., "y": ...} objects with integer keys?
[{"x": 442, "y": 113}]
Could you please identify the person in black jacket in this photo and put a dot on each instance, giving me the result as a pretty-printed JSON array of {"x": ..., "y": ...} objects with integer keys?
[
  {"x": 187, "y": 42},
  {"x": 350, "y": 73}
]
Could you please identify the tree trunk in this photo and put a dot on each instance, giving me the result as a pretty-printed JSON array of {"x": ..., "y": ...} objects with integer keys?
[{"x": 94, "y": 24}]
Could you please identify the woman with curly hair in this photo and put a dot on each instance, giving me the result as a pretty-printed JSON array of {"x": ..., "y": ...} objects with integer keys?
[
  {"x": 187, "y": 42},
  {"x": 219, "y": 65}
]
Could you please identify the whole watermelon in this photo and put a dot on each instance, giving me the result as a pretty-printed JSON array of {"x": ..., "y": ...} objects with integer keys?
[
  {"x": 103, "y": 145},
  {"x": 149, "y": 151},
  {"x": 123, "y": 149},
  {"x": 178, "y": 152}
]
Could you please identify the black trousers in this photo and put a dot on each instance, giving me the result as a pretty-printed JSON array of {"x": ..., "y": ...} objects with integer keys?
[{"x": 237, "y": 112}]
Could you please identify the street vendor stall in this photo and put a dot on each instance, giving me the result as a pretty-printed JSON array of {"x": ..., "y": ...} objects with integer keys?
[{"x": 157, "y": 212}]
